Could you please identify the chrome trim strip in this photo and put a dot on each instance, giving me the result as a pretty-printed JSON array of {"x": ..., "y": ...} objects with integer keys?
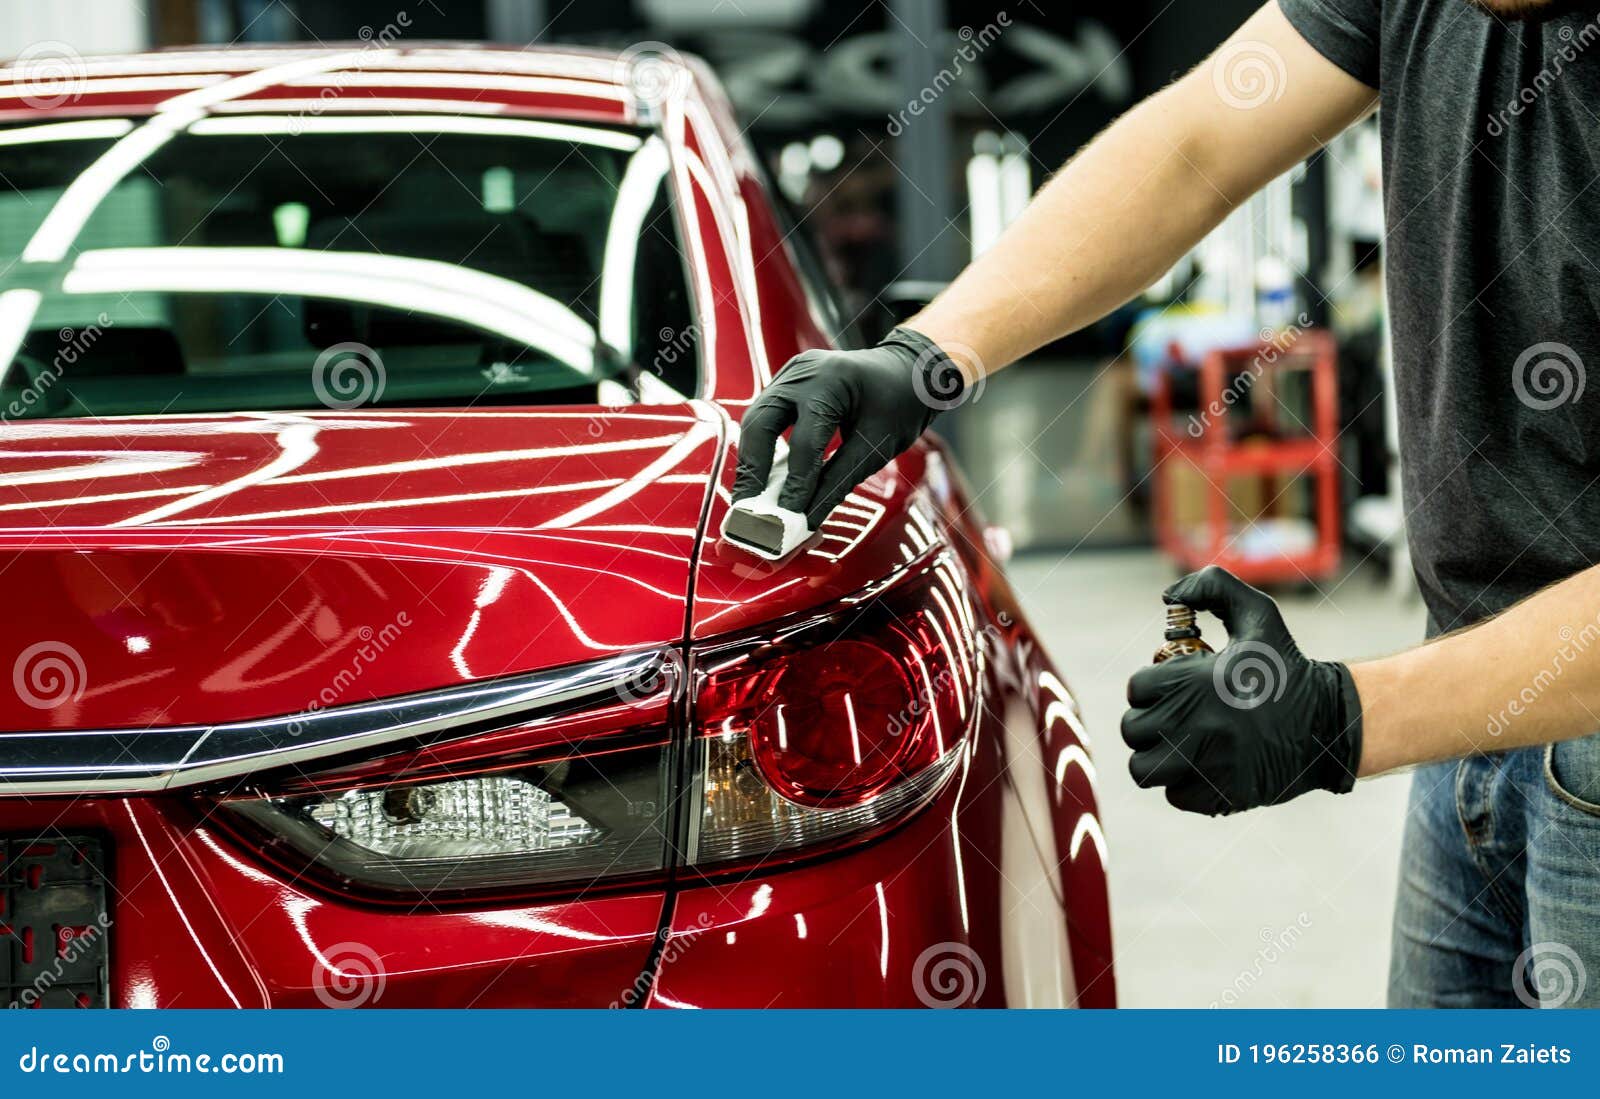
[{"x": 148, "y": 761}]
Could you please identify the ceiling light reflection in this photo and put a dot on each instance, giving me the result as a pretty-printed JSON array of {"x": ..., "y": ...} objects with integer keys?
[
  {"x": 84, "y": 130},
  {"x": 240, "y": 125},
  {"x": 1088, "y": 828},
  {"x": 437, "y": 289},
  {"x": 641, "y": 180}
]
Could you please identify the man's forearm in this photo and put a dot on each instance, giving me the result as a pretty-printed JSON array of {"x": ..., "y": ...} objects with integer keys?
[
  {"x": 1104, "y": 228},
  {"x": 1138, "y": 198},
  {"x": 1529, "y": 676}
]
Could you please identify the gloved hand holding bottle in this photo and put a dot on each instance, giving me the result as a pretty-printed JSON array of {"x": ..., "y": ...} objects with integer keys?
[{"x": 1257, "y": 723}]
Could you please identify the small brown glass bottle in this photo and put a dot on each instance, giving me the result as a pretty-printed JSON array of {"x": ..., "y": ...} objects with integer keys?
[{"x": 1183, "y": 636}]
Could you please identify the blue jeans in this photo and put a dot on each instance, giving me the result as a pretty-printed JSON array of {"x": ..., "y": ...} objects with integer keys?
[{"x": 1499, "y": 901}]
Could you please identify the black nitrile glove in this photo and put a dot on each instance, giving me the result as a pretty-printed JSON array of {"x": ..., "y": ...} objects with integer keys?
[
  {"x": 879, "y": 400},
  {"x": 1255, "y": 724}
]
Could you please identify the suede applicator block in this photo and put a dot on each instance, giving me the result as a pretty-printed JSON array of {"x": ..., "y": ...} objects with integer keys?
[{"x": 760, "y": 527}]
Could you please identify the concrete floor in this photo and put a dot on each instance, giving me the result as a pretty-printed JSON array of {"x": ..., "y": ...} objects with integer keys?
[{"x": 1281, "y": 907}]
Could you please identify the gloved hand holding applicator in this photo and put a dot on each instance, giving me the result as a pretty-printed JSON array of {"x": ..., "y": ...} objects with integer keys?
[{"x": 881, "y": 399}]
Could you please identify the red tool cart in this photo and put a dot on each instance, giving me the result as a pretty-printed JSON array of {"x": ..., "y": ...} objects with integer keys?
[{"x": 1246, "y": 437}]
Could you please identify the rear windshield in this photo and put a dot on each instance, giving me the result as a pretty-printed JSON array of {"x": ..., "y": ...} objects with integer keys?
[{"x": 269, "y": 262}]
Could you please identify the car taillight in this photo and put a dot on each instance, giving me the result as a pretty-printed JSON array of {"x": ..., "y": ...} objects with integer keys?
[
  {"x": 818, "y": 731},
  {"x": 501, "y": 809},
  {"x": 826, "y": 727},
  {"x": 573, "y": 819}
]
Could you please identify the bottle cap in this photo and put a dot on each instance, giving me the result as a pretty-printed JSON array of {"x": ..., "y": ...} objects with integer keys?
[{"x": 1180, "y": 622}]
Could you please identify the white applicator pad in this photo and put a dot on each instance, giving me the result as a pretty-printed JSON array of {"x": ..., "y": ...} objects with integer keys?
[{"x": 759, "y": 526}]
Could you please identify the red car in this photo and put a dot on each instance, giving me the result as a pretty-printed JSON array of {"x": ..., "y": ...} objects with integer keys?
[{"x": 369, "y": 419}]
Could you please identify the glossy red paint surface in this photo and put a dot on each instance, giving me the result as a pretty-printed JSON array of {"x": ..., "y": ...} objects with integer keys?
[
  {"x": 220, "y": 568},
  {"x": 212, "y": 568}
]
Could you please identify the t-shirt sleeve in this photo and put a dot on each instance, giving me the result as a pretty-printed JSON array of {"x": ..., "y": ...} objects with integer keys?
[{"x": 1346, "y": 32}]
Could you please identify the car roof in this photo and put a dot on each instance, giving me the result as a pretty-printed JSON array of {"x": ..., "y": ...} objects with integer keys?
[{"x": 363, "y": 75}]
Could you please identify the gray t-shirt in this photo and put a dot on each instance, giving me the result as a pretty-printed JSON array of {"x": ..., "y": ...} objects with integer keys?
[{"x": 1491, "y": 171}]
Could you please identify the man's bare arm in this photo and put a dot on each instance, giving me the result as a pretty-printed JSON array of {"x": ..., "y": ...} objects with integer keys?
[
  {"x": 1142, "y": 194},
  {"x": 1109, "y": 224},
  {"x": 1528, "y": 676}
]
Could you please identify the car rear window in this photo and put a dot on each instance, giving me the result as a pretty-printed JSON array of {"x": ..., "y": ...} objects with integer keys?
[{"x": 274, "y": 262}]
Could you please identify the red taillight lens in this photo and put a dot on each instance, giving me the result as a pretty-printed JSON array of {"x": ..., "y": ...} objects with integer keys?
[
  {"x": 836, "y": 722},
  {"x": 826, "y": 730}
]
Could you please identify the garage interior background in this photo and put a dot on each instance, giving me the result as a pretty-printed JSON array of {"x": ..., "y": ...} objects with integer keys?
[{"x": 907, "y": 134}]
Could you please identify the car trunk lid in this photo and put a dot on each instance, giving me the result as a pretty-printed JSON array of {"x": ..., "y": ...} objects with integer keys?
[{"x": 205, "y": 569}]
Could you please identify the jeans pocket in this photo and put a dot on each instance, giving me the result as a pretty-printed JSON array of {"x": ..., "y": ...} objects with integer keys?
[{"x": 1572, "y": 771}]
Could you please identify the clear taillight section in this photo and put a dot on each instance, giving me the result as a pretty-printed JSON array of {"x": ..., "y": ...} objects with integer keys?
[
  {"x": 462, "y": 818},
  {"x": 836, "y": 724},
  {"x": 820, "y": 730},
  {"x": 744, "y": 820},
  {"x": 576, "y": 819}
]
